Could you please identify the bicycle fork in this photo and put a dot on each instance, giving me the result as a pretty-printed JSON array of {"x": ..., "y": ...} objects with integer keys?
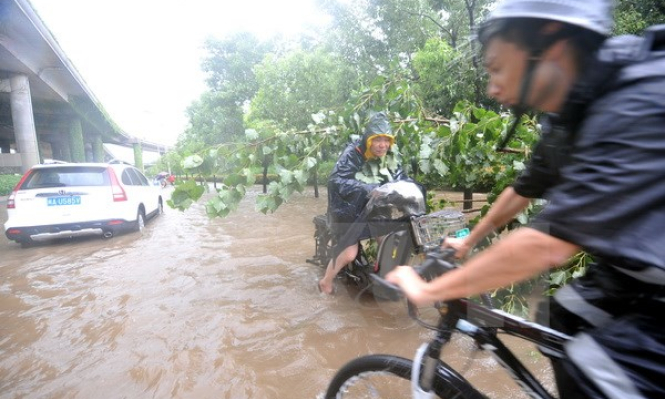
[{"x": 425, "y": 364}]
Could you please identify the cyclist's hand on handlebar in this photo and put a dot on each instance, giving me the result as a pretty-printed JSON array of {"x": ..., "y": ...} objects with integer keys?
[
  {"x": 462, "y": 246},
  {"x": 412, "y": 285}
]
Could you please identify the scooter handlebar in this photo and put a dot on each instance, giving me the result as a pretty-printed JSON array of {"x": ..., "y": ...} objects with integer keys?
[{"x": 437, "y": 262}]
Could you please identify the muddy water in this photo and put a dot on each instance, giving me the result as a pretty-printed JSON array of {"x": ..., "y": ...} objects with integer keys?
[{"x": 198, "y": 308}]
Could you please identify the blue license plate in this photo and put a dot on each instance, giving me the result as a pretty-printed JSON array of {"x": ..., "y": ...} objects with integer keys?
[{"x": 56, "y": 201}]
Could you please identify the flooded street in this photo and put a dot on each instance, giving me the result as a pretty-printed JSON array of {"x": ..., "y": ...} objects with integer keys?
[{"x": 198, "y": 308}]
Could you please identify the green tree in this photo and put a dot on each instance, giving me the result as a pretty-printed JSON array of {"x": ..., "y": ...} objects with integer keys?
[
  {"x": 459, "y": 151},
  {"x": 213, "y": 119},
  {"x": 217, "y": 116},
  {"x": 444, "y": 77},
  {"x": 373, "y": 34},
  {"x": 632, "y": 16},
  {"x": 169, "y": 162},
  {"x": 230, "y": 65},
  {"x": 299, "y": 84},
  {"x": 458, "y": 20}
]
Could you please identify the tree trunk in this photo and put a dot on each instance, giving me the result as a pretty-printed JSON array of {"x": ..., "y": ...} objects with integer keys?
[
  {"x": 468, "y": 198},
  {"x": 316, "y": 182},
  {"x": 265, "y": 174}
]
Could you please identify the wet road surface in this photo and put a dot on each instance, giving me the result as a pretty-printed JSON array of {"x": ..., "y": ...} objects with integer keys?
[{"x": 198, "y": 308}]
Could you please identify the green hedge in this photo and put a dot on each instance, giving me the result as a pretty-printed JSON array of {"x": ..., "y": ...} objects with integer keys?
[{"x": 7, "y": 183}]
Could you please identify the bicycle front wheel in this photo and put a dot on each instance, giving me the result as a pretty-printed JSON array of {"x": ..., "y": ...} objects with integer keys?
[{"x": 384, "y": 376}]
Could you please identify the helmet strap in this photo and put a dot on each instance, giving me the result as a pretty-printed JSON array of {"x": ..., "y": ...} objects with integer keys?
[{"x": 520, "y": 109}]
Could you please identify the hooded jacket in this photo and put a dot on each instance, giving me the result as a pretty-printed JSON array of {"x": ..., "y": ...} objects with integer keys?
[
  {"x": 351, "y": 180},
  {"x": 601, "y": 166}
]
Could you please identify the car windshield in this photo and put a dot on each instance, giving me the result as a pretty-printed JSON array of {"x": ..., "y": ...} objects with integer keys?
[{"x": 67, "y": 177}]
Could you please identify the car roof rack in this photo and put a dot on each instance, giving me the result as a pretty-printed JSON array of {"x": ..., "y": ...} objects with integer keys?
[
  {"x": 116, "y": 161},
  {"x": 49, "y": 161}
]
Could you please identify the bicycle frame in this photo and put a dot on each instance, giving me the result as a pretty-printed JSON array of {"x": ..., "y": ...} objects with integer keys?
[{"x": 481, "y": 324}]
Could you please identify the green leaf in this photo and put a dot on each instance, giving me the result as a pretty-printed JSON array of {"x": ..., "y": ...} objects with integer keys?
[
  {"x": 440, "y": 167},
  {"x": 267, "y": 203},
  {"x": 301, "y": 177},
  {"x": 523, "y": 218},
  {"x": 185, "y": 194},
  {"x": 250, "y": 177},
  {"x": 251, "y": 134},
  {"x": 192, "y": 162},
  {"x": 233, "y": 179},
  {"x": 311, "y": 162},
  {"x": 285, "y": 176}
]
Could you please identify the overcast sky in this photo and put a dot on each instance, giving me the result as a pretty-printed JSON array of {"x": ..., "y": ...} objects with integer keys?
[{"x": 141, "y": 58}]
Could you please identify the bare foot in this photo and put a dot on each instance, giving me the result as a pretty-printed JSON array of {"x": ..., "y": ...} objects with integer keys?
[{"x": 325, "y": 288}]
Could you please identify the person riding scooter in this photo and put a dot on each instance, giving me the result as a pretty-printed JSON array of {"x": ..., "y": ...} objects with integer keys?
[{"x": 363, "y": 166}]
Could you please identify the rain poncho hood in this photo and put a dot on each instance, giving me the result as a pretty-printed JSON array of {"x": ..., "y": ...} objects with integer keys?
[{"x": 378, "y": 126}]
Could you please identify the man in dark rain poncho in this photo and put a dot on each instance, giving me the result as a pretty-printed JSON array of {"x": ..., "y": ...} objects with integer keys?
[{"x": 363, "y": 166}]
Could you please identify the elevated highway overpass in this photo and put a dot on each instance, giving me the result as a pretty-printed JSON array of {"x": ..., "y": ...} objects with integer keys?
[{"x": 46, "y": 109}]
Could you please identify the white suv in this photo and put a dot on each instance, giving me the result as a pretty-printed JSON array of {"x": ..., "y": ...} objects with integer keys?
[{"x": 75, "y": 199}]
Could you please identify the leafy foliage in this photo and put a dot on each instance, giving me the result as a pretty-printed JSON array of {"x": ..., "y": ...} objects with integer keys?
[
  {"x": 575, "y": 267},
  {"x": 169, "y": 162},
  {"x": 374, "y": 171},
  {"x": 373, "y": 34},
  {"x": 459, "y": 151},
  {"x": 230, "y": 65},
  {"x": 7, "y": 183},
  {"x": 632, "y": 17},
  {"x": 444, "y": 76},
  {"x": 458, "y": 18},
  {"x": 299, "y": 84},
  {"x": 214, "y": 119},
  {"x": 463, "y": 151}
]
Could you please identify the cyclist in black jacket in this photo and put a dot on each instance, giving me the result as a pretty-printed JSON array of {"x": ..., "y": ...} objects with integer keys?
[{"x": 601, "y": 166}]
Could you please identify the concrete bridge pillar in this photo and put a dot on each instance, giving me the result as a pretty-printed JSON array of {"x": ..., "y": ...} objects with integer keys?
[
  {"x": 57, "y": 149},
  {"x": 24, "y": 121},
  {"x": 138, "y": 156},
  {"x": 97, "y": 149},
  {"x": 76, "y": 144},
  {"x": 65, "y": 148}
]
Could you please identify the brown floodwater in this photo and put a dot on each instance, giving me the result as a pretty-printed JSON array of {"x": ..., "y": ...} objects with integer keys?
[{"x": 200, "y": 308}]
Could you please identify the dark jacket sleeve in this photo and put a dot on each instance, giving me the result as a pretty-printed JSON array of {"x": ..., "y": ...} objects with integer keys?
[{"x": 543, "y": 169}]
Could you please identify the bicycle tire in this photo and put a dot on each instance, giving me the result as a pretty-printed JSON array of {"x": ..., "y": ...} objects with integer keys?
[{"x": 388, "y": 376}]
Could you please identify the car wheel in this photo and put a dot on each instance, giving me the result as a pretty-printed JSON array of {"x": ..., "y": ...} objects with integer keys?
[
  {"x": 140, "y": 221},
  {"x": 26, "y": 243}
]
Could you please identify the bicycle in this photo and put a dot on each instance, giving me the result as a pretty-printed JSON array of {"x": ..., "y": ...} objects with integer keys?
[{"x": 427, "y": 375}]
